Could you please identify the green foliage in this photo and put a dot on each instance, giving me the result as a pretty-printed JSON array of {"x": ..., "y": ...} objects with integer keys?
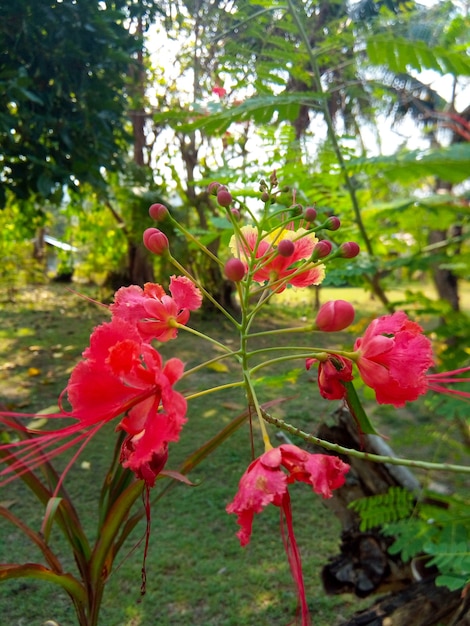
[
  {"x": 63, "y": 74},
  {"x": 434, "y": 527},
  {"x": 98, "y": 236},
  {"x": 450, "y": 164},
  {"x": 440, "y": 530},
  {"x": 450, "y": 407},
  {"x": 400, "y": 54},
  {"x": 396, "y": 504},
  {"x": 17, "y": 263},
  {"x": 259, "y": 109}
]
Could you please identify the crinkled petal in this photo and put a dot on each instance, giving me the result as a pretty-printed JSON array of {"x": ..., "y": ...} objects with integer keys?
[
  {"x": 323, "y": 472},
  {"x": 185, "y": 293},
  {"x": 262, "y": 484},
  {"x": 394, "y": 356},
  {"x": 107, "y": 335},
  {"x": 96, "y": 393},
  {"x": 129, "y": 304},
  {"x": 154, "y": 290}
]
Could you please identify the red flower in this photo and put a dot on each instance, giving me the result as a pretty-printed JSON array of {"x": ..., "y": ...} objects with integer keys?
[
  {"x": 393, "y": 358},
  {"x": 273, "y": 267},
  {"x": 264, "y": 482},
  {"x": 119, "y": 375},
  {"x": 155, "y": 313},
  {"x": 219, "y": 91},
  {"x": 331, "y": 373}
]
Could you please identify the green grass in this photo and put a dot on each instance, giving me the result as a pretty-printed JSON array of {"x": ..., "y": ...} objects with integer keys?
[{"x": 197, "y": 572}]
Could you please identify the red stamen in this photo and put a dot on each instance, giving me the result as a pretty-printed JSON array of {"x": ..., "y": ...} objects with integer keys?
[{"x": 293, "y": 555}]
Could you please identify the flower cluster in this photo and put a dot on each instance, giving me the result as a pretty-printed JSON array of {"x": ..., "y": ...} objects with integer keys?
[
  {"x": 393, "y": 358},
  {"x": 122, "y": 374},
  {"x": 123, "y": 377},
  {"x": 281, "y": 257}
]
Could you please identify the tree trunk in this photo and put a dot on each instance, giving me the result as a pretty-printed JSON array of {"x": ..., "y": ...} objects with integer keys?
[
  {"x": 445, "y": 280},
  {"x": 421, "y": 604},
  {"x": 140, "y": 267}
]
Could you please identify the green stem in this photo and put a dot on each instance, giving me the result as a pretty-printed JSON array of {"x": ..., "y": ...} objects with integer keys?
[
  {"x": 282, "y": 331},
  {"x": 365, "y": 456},
  {"x": 193, "y": 331},
  {"x": 201, "y": 366},
  {"x": 195, "y": 241},
  {"x": 280, "y": 359},
  {"x": 199, "y": 394},
  {"x": 253, "y": 401},
  {"x": 317, "y": 353}
]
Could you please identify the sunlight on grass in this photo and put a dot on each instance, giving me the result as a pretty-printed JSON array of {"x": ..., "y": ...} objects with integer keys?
[
  {"x": 304, "y": 299},
  {"x": 133, "y": 616},
  {"x": 25, "y": 332}
]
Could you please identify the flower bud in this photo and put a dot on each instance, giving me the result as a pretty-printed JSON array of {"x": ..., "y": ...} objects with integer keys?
[
  {"x": 296, "y": 209},
  {"x": 265, "y": 196},
  {"x": 235, "y": 213},
  {"x": 310, "y": 214},
  {"x": 332, "y": 223},
  {"x": 335, "y": 315},
  {"x": 224, "y": 197},
  {"x": 286, "y": 248},
  {"x": 235, "y": 270},
  {"x": 213, "y": 188},
  {"x": 348, "y": 250},
  {"x": 155, "y": 241},
  {"x": 322, "y": 249},
  {"x": 158, "y": 212}
]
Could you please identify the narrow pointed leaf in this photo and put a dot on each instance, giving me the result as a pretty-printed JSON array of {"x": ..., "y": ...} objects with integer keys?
[
  {"x": 260, "y": 109},
  {"x": 357, "y": 410},
  {"x": 50, "y": 557},
  {"x": 104, "y": 552},
  {"x": 67, "y": 517},
  {"x": 34, "y": 570},
  {"x": 51, "y": 510}
]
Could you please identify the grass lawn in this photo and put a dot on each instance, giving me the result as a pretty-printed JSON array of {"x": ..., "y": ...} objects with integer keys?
[{"x": 197, "y": 572}]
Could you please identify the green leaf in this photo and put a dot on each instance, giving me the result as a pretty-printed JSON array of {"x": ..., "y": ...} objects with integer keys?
[
  {"x": 451, "y": 164},
  {"x": 67, "y": 517},
  {"x": 35, "y": 570},
  {"x": 357, "y": 410},
  {"x": 260, "y": 109},
  {"x": 384, "y": 508},
  {"x": 37, "y": 539},
  {"x": 401, "y": 54},
  {"x": 103, "y": 552},
  {"x": 32, "y": 96},
  {"x": 51, "y": 510},
  {"x": 452, "y": 582}
]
